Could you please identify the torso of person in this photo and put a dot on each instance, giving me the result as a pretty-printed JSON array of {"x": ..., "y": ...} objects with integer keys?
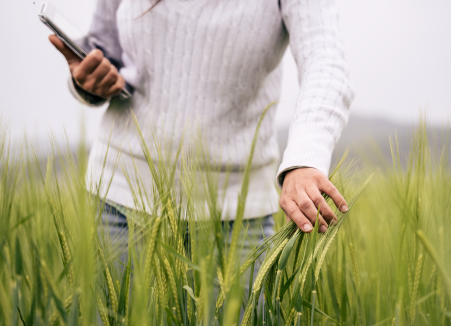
[{"x": 202, "y": 70}]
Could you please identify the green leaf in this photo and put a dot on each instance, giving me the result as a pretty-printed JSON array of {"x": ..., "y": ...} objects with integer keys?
[
  {"x": 19, "y": 258},
  {"x": 124, "y": 289},
  {"x": 172, "y": 316},
  {"x": 60, "y": 307},
  {"x": 190, "y": 292},
  {"x": 309, "y": 305},
  {"x": 288, "y": 283},
  {"x": 287, "y": 251},
  {"x": 176, "y": 254},
  {"x": 127, "y": 267},
  {"x": 25, "y": 219},
  {"x": 73, "y": 318},
  {"x": 21, "y": 317},
  {"x": 31, "y": 314},
  {"x": 433, "y": 254},
  {"x": 64, "y": 272}
]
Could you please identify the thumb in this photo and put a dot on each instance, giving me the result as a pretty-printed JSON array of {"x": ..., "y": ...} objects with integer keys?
[{"x": 70, "y": 56}]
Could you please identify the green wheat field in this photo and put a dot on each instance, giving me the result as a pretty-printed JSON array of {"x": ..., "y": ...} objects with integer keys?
[{"x": 385, "y": 262}]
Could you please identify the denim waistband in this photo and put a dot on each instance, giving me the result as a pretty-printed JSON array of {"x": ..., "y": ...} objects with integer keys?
[{"x": 120, "y": 214}]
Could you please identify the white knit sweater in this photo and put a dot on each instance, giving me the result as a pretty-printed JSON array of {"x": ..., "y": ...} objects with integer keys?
[{"x": 213, "y": 66}]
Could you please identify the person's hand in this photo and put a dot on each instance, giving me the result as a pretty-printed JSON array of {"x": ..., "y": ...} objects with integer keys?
[
  {"x": 301, "y": 197},
  {"x": 95, "y": 73}
]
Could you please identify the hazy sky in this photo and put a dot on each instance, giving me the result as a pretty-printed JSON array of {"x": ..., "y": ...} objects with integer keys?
[{"x": 399, "y": 55}]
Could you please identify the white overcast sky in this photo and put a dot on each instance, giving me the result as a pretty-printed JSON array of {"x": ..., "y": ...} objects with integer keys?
[{"x": 399, "y": 53}]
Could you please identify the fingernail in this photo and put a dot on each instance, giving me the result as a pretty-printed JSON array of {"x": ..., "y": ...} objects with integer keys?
[
  {"x": 344, "y": 209},
  {"x": 322, "y": 229},
  {"x": 307, "y": 227}
]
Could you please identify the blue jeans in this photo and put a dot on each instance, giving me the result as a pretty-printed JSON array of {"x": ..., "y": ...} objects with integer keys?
[{"x": 115, "y": 221}]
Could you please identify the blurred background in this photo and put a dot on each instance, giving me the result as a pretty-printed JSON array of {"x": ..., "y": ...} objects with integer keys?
[{"x": 398, "y": 52}]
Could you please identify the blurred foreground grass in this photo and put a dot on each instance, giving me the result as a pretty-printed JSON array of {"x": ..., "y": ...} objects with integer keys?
[{"x": 384, "y": 263}]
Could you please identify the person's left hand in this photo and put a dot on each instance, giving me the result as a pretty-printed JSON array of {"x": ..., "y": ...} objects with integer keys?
[{"x": 301, "y": 197}]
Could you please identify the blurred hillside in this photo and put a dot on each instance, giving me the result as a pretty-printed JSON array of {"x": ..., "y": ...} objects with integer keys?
[{"x": 369, "y": 138}]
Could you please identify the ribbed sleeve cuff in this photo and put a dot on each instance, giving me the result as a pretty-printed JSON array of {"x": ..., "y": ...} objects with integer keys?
[
  {"x": 85, "y": 97},
  {"x": 306, "y": 150}
]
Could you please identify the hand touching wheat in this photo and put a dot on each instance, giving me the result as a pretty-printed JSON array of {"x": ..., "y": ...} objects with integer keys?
[{"x": 301, "y": 197}]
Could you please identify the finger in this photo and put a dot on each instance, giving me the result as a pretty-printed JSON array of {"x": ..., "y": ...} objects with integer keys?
[
  {"x": 329, "y": 189},
  {"x": 117, "y": 88},
  {"x": 294, "y": 213},
  {"x": 109, "y": 80},
  {"x": 93, "y": 80},
  {"x": 88, "y": 66},
  {"x": 319, "y": 201},
  {"x": 307, "y": 208},
  {"x": 66, "y": 52}
]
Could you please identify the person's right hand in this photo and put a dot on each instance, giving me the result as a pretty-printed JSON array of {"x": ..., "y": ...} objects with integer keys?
[{"x": 95, "y": 74}]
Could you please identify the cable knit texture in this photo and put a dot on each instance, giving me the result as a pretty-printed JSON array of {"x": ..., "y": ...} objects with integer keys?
[{"x": 210, "y": 67}]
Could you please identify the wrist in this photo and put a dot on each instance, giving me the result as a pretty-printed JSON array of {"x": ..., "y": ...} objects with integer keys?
[
  {"x": 84, "y": 96},
  {"x": 282, "y": 176}
]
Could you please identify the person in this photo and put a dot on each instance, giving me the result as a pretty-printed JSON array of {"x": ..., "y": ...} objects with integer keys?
[{"x": 214, "y": 66}]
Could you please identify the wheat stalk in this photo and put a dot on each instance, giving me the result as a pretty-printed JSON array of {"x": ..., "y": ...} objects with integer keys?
[
  {"x": 101, "y": 308},
  {"x": 173, "y": 285},
  {"x": 416, "y": 282},
  {"x": 150, "y": 250},
  {"x": 109, "y": 281},
  {"x": 267, "y": 264}
]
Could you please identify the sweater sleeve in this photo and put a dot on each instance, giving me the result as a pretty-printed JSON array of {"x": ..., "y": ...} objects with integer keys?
[
  {"x": 103, "y": 35},
  {"x": 322, "y": 107}
]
